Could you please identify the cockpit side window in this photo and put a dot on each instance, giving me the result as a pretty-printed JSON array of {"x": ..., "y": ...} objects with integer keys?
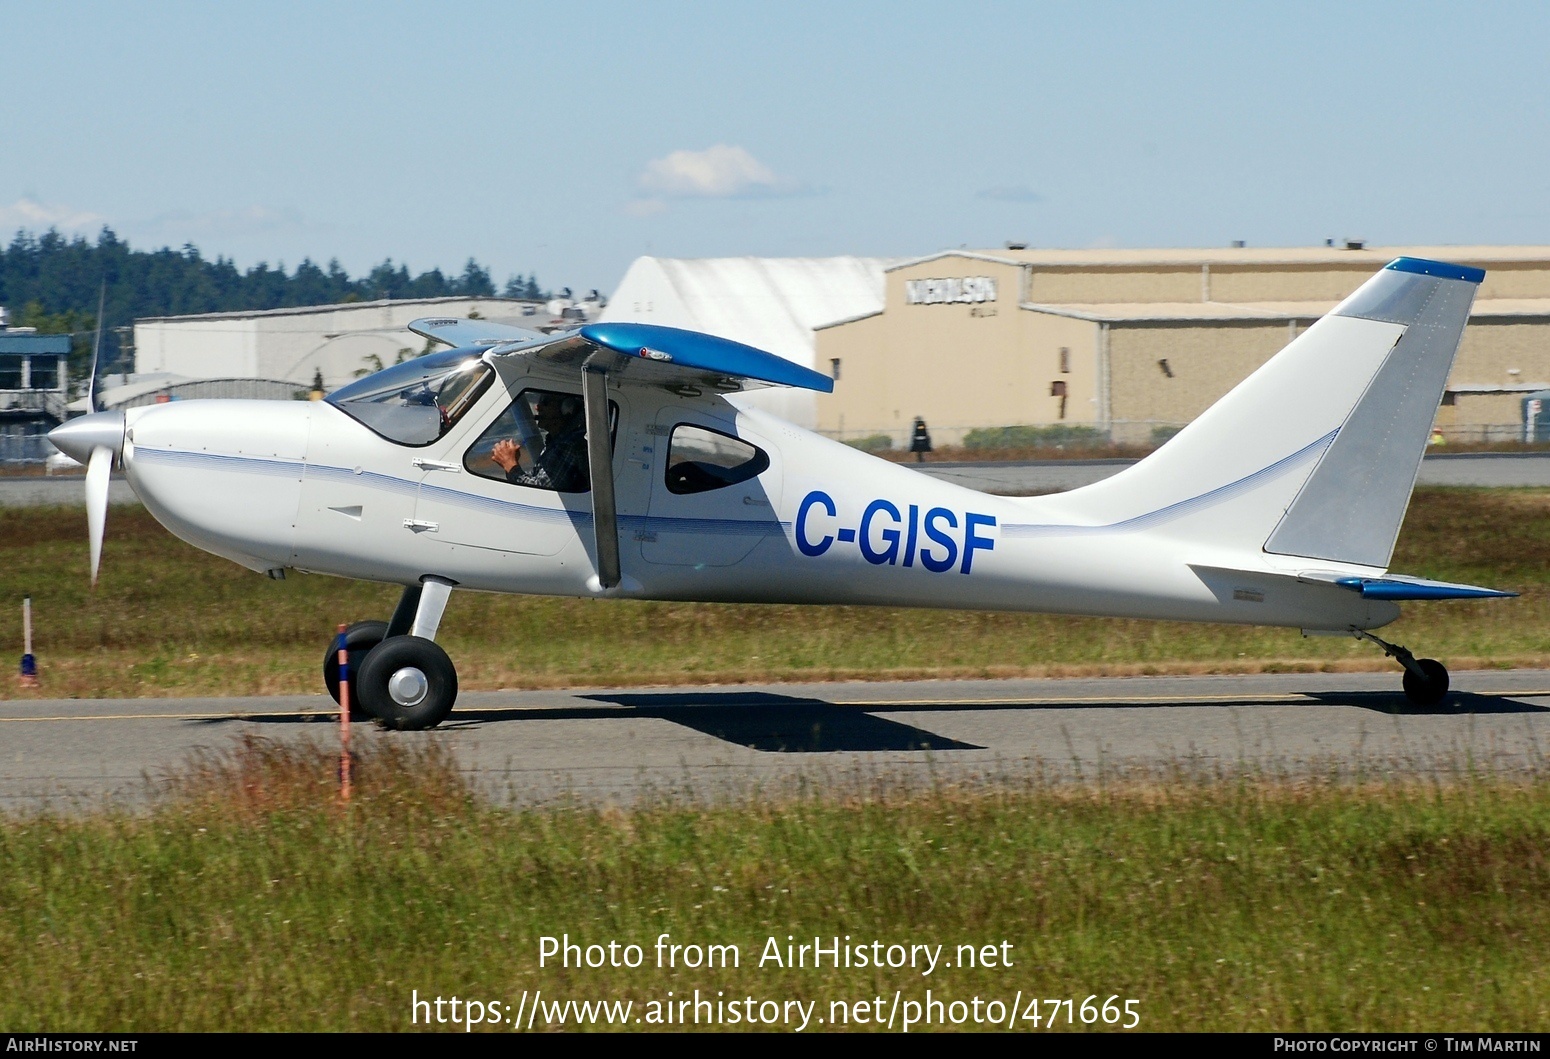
[
  {"x": 416, "y": 402},
  {"x": 539, "y": 442},
  {"x": 700, "y": 459}
]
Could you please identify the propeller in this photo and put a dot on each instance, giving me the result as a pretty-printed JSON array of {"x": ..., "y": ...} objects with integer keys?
[
  {"x": 96, "y": 351},
  {"x": 96, "y": 439},
  {"x": 97, "y": 470},
  {"x": 100, "y": 466}
]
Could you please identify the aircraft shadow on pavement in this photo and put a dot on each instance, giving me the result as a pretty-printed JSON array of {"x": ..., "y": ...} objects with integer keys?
[
  {"x": 783, "y": 724},
  {"x": 1396, "y": 704},
  {"x": 1392, "y": 703},
  {"x": 797, "y": 725}
]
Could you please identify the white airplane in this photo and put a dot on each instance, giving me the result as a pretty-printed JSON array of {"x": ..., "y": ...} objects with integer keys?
[{"x": 612, "y": 461}]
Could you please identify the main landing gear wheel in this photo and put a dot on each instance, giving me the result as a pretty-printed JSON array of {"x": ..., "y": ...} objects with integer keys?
[
  {"x": 1430, "y": 686},
  {"x": 408, "y": 683},
  {"x": 359, "y": 639}
]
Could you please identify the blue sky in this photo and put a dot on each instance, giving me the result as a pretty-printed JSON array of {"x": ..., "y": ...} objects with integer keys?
[{"x": 569, "y": 138}]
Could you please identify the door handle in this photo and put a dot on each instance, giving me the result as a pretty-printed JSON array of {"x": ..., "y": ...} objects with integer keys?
[{"x": 433, "y": 465}]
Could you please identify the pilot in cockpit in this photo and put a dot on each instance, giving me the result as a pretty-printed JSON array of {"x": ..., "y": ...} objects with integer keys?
[{"x": 562, "y": 464}]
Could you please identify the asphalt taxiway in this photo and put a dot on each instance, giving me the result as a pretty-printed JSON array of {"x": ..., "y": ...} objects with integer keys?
[{"x": 624, "y": 744}]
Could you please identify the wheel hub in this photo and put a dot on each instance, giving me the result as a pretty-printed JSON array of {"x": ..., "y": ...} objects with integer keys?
[{"x": 408, "y": 686}]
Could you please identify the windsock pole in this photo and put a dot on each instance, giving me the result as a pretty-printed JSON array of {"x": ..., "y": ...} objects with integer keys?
[
  {"x": 29, "y": 673},
  {"x": 344, "y": 716}
]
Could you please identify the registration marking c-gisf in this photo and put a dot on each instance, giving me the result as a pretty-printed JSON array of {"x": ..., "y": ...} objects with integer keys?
[{"x": 888, "y": 537}]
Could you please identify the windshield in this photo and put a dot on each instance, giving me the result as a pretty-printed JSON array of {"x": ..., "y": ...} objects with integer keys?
[{"x": 418, "y": 401}]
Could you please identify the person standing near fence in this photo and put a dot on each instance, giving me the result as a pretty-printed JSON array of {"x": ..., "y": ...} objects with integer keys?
[{"x": 920, "y": 440}]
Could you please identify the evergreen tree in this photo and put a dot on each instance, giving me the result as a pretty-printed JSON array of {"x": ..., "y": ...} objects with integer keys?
[
  {"x": 475, "y": 281},
  {"x": 52, "y": 282},
  {"x": 526, "y": 287},
  {"x": 65, "y": 274}
]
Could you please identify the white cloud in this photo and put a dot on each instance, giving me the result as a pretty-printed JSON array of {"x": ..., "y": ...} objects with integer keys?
[
  {"x": 34, "y": 215},
  {"x": 716, "y": 172}
]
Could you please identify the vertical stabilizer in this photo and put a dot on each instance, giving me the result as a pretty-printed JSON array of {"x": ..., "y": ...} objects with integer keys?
[
  {"x": 1315, "y": 453},
  {"x": 1351, "y": 506}
]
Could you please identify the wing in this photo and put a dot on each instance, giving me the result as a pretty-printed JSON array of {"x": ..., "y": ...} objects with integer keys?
[
  {"x": 649, "y": 354},
  {"x": 459, "y": 333}
]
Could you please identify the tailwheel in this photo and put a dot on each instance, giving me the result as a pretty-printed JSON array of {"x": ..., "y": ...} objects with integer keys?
[
  {"x": 1430, "y": 685},
  {"x": 407, "y": 683},
  {"x": 359, "y": 639},
  {"x": 1426, "y": 679}
]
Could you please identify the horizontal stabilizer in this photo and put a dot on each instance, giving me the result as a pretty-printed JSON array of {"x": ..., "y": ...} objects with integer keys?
[
  {"x": 463, "y": 333},
  {"x": 1398, "y": 587}
]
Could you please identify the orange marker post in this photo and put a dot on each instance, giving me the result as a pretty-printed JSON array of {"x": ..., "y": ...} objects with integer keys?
[{"x": 344, "y": 717}]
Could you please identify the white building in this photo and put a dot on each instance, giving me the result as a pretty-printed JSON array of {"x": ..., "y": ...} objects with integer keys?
[
  {"x": 342, "y": 341},
  {"x": 770, "y": 303}
]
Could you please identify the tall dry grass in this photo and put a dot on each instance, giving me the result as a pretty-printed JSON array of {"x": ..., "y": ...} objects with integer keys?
[{"x": 250, "y": 898}]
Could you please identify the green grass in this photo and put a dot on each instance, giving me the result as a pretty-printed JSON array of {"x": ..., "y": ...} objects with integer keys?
[
  {"x": 248, "y": 898},
  {"x": 1027, "y": 437},
  {"x": 170, "y": 620}
]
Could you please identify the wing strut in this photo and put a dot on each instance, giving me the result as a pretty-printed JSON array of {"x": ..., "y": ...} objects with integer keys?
[{"x": 600, "y": 466}]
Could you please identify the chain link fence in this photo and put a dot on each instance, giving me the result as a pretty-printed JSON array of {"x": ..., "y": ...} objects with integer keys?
[
  {"x": 24, "y": 445},
  {"x": 231, "y": 389},
  {"x": 1130, "y": 434}
]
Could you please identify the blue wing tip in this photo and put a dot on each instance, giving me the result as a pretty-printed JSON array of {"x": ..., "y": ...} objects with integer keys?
[{"x": 1441, "y": 269}]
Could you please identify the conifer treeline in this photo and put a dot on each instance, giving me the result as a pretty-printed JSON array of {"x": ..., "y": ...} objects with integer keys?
[{"x": 52, "y": 282}]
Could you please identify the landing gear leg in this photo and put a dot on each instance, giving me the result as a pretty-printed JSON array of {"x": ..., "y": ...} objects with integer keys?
[
  {"x": 403, "y": 614},
  {"x": 1426, "y": 679},
  {"x": 407, "y": 682}
]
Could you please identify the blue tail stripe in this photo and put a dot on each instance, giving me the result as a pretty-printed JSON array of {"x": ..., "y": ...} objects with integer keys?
[{"x": 1441, "y": 269}]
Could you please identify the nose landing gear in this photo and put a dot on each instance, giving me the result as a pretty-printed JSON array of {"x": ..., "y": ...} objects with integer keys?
[
  {"x": 399, "y": 674},
  {"x": 1426, "y": 679}
]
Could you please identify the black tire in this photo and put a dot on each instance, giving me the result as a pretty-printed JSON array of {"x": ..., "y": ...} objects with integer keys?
[
  {"x": 359, "y": 639},
  {"x": 396, "y": 655},
  {"x": 1431, "y": 690}
]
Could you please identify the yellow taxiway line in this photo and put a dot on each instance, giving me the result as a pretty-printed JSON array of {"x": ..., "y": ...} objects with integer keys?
[
  {"x": 179, "y": 716},
  {"x": 874, "y": 704}
]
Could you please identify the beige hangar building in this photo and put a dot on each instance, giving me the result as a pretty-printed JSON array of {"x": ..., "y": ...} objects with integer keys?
[{"x": 1138, "y": 342}]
